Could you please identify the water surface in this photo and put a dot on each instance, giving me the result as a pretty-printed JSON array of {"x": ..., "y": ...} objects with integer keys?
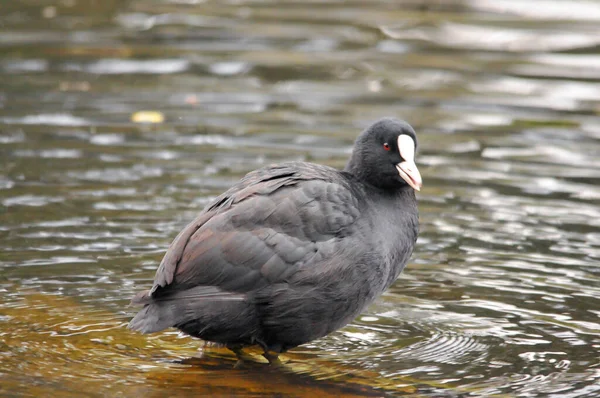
[{"x": 502, "y": 296}]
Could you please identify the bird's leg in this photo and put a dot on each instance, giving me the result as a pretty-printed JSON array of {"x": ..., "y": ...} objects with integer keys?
[
  {"x": 272, "y": 357},
  {"x": 272, "y": 354},
  {"x": 239, "y": 353}
]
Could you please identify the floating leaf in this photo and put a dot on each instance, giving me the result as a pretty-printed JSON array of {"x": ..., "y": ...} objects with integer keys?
[{"x": 148, "y": 117}]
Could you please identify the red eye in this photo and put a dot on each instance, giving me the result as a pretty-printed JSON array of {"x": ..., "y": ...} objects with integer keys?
[{"x": 386, "y": 146}]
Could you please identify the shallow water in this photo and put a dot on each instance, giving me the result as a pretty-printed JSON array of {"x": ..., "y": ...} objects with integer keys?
[{"x": 502, "y": 296}]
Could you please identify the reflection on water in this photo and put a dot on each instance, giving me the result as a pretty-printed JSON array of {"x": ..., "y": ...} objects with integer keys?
[{"x": 503, "y": 293}]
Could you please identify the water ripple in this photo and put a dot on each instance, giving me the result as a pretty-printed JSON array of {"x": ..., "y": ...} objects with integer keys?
[
  {"x": 502, "y": 295},
  {"x": 127, "y": 66}
]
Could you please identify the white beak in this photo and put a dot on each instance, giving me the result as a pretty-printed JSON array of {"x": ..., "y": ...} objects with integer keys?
[
  {"x": 409, "y": 173},
  {"x": 408, "y": 169}
]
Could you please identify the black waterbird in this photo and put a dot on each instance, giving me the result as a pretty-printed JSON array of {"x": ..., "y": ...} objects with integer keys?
[{"x": 292, "y": 251}]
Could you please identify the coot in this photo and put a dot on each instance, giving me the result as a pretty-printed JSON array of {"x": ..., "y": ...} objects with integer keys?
[{"x": 292, "y": 251}]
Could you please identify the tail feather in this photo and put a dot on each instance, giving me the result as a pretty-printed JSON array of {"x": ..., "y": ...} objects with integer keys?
[
  {"x": 160, "y": 313},
  {"x": 152, "y": 318}
]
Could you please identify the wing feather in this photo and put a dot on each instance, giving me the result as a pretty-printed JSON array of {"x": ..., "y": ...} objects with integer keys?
[{"x": 275, "y": 221}]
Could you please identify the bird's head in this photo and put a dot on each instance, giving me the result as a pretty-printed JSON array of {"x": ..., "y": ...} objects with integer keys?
[{"x": 384, "y": 156}]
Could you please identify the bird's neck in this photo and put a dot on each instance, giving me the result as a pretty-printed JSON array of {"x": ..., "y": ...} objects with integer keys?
[
  {"x": 351, "y": 166},
  {"x": 356, "y": 168}
]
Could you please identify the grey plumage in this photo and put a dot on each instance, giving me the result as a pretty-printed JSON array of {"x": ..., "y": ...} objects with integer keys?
[{"x": 290, "y": 253}]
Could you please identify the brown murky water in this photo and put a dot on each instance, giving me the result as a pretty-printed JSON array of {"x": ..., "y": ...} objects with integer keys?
[{"x": 502, "y": 297}]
